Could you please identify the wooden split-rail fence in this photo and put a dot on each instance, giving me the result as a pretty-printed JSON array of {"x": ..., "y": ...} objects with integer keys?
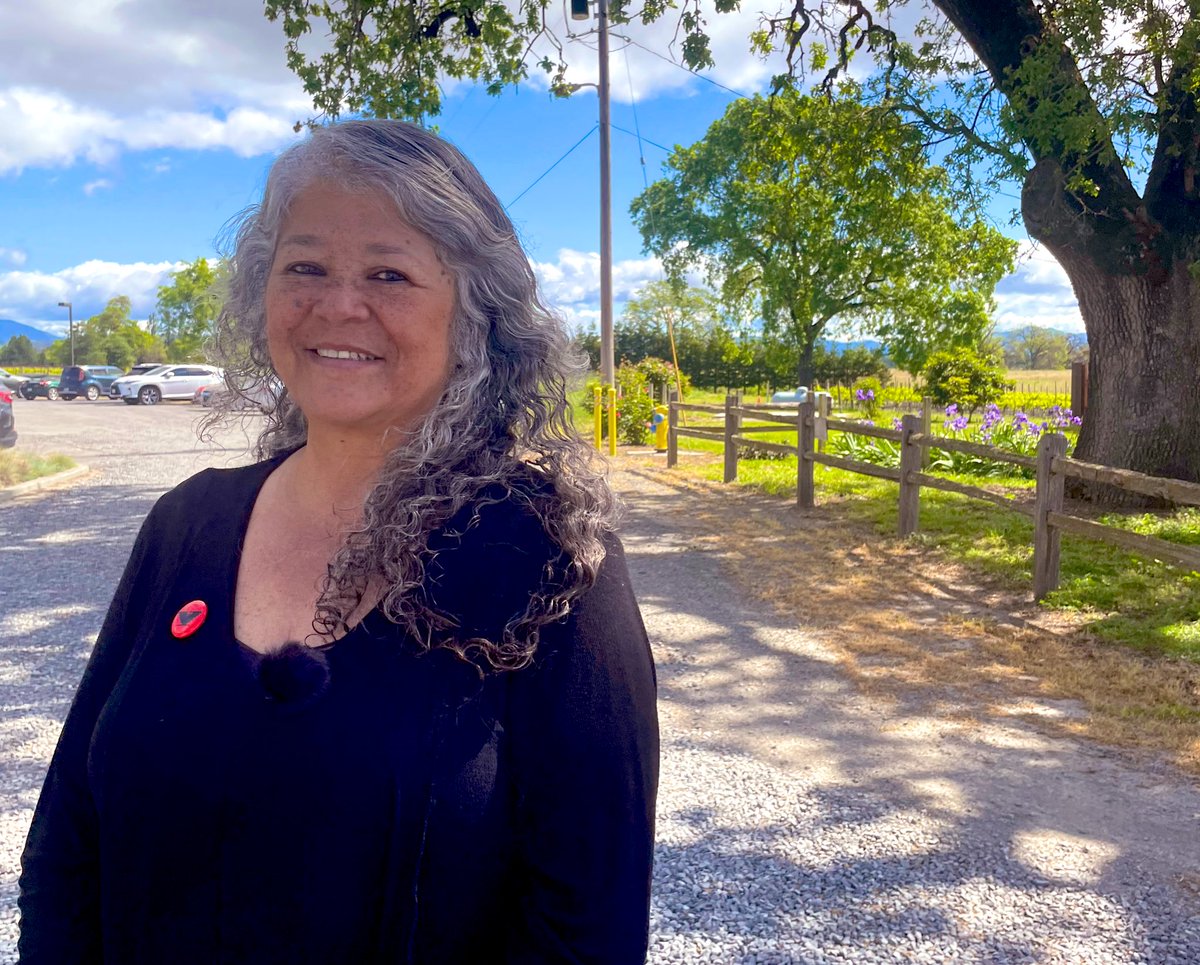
[{"x": 812, "y": 422}]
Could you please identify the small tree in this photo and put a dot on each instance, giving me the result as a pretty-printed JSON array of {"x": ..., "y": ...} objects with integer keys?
[
  {"x": 964, "y": 378},
  {"x": 18, "y": 350}
]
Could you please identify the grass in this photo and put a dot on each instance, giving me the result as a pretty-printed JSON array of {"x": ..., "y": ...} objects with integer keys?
[
  {"x": 18, "y": 467},
  {"x": 1124, "y": 598}
]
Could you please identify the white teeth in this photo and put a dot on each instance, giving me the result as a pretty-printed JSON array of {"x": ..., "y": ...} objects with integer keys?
[{"x": 330, "y": 353}]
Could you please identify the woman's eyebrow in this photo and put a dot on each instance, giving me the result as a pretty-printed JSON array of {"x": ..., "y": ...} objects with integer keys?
[{"x": 302, "y": 241}]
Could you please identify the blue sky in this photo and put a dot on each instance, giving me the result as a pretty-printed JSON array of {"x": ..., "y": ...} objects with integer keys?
[{"x": 131, "y": 131}]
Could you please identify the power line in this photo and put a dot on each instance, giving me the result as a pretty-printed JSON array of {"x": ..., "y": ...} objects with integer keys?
[
  {"x": 552, "y": 167},
  {"x": 675, "y": 63},
  {"x": 661, "y": 147}
]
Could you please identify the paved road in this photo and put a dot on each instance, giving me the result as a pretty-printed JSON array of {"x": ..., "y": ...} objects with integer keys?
[{"x": 799, "y": 821}]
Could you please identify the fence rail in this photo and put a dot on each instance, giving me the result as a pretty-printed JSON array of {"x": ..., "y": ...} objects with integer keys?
[{"x": 811, "y": 422}]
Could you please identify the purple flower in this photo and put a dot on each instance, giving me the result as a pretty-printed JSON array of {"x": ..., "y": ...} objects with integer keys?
[
  {"x": 1076, "y": 421},
  {"x": 897, "y": 423},
  {"x": 866, "y": 422},
  {"x": 865, "y": 395},
  {"x": 957, "y": 425},
  {"x": 951, "y": 410},
  {"x": 1019, "y": 420}
]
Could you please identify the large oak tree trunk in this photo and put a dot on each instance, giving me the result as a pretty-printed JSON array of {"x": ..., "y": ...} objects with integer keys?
[{"x": 1144, "y": 384}]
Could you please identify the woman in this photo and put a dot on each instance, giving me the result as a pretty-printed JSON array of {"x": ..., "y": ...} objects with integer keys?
[{"x": 384, "y": 696}]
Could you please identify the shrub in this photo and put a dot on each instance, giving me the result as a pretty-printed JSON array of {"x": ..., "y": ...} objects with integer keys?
[
  {"x": 661, "y": 373},
  {"x": 963, "y": 377},
  {"x": 635, "y": 407}
]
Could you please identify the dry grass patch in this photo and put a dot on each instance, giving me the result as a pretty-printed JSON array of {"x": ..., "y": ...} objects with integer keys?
[
  {"x": 18, "y": 467},
  {"x": 912, "y": 626}
]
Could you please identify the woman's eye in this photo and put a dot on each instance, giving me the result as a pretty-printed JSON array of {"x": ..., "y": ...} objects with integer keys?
[
  {"x": 388, "y": 274},
  {"x": 302, "y": 268}
]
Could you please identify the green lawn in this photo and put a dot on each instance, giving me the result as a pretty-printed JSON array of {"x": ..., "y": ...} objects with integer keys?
[{"x": 17, "y": 467}]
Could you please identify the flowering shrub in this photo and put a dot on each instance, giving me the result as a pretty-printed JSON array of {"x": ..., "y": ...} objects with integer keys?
[
  {"x": 867, "y": 395},
  {"x": 635, "y": 407},
  {"x": 1019, "y": 435}
]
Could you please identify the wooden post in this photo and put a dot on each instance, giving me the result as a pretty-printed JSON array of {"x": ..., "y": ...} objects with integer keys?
[
  {"x": 672, "y": 425},
  {"x": 805, "y": 487},
  {"x": 926, "y": 428},
  {"x": 733, "y": 415},
  {"x": 910, "y": 462},
  {"x": 823, "y": 410},
  {"x": 1051, "y": 487},
  {"x": 1079, "y": 388}
]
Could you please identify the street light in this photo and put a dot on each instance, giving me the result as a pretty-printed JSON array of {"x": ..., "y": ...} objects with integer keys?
[{"x": 70, "y": 326}]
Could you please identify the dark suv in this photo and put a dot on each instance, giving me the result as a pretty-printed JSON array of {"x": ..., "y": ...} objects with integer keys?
[
  {"x": 8, "y": 433},
  {"x": 90, "y": 381}
]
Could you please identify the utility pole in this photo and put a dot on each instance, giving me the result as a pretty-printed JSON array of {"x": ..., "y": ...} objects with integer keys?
[
  {"x": 607, "y": 351},
  {"x": 580, "y": 10}
]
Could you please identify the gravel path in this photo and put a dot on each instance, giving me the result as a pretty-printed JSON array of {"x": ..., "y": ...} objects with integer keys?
[{"x": 799, "y": 821}]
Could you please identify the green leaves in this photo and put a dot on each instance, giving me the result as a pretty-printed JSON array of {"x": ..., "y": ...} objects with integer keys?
[{"x": 812, "y": 212}]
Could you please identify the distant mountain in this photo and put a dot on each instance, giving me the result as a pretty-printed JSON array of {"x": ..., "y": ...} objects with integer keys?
[
  {"x": 870, "y": 344},
  {"x": 9, "y": 328}
]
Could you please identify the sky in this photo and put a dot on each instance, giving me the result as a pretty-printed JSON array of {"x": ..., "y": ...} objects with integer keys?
[{"x": 133, "y": 131}]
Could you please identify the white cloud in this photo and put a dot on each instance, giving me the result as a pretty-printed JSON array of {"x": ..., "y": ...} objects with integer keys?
[
  {"x": 573, "y": 281},
  {"x": 98, "y": 185},
  {"x": 32, "y": 297},
  {"x": 1037, "y": 293},
  {"x": 43, "y": 128},
  {"x": 13, "y": 256}
]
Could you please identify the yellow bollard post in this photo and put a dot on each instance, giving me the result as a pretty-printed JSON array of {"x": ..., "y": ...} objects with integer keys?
[
  {"x": 660, "y": 428},
  {"x": 598, "y": 412},
  {"x": 612, "y": 421}
]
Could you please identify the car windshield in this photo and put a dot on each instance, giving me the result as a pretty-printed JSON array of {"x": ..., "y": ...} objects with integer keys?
[{"x": 154, "y": 371}]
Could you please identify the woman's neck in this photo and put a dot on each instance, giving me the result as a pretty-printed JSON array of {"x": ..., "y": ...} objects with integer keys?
[{"x": 331, "y": 477}]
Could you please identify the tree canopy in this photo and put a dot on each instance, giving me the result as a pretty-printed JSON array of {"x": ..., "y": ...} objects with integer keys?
[
  {"x": 187, "y": 308},
  {"x": 812, "y": 211},
  {"x": 110, "y": 337}
]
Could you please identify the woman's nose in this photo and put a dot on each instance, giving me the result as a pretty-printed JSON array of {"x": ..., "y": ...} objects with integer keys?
[{"x": 342, "y": 300}]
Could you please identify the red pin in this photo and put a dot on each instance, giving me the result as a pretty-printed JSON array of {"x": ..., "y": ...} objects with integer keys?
[{"x": 188, "y": 620}]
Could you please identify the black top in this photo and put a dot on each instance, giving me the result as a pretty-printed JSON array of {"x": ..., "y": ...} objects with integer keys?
[{"x": 368, "y": 803}]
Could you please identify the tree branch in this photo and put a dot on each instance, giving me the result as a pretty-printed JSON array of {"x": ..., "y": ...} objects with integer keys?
[
  {"x": 1173, "y": 184},
  {"x": 1005, "y": 34}
]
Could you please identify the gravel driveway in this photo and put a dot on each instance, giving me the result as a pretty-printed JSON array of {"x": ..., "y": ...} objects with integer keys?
[{"x": 799, "y": 821}]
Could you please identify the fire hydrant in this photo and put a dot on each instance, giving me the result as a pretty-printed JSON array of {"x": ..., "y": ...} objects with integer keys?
[{"x": 659, "y": 421}]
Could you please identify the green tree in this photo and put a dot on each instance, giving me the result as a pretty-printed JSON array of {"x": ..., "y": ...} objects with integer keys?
[
  {"x": 810, "y": 211},
  {"x": 1034, "y": 347},
  {"x": 18, "y": 350},
  {"x": 187, "y": 309},
  {"x": 964, "y": 378}
]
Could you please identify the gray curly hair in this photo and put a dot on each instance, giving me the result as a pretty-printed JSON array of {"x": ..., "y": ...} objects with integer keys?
[{"x": 502, "y": 416}]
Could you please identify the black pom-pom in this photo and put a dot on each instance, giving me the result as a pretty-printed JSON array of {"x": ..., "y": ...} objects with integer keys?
[{"x": 294, "y": 673}]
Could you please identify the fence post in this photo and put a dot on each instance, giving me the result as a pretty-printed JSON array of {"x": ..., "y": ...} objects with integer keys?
[
  {"x": 1051, "y": 487},
  {"x": 1079, "y": 388},
  {"x": 805, "y": 489},
  {"x": 672, "y": 425},
  {"x": 733, "y": 401},
  {"x": 824, "y": 409},
  {"x": 910, "y": 462},
  {"x": 926, "y": 428}
]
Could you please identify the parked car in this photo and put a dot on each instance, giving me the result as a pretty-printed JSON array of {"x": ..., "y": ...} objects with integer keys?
[
  {"x": 166, "y": 382},
  {"x": 39, "y": 387},
  {"x": 8, "y": 430},
  {"x": 10, "y": 381},
  {"x": 90, "y": 381},
  {"x": 260, "y": 395},
  {"x": 142, "y": 368}
]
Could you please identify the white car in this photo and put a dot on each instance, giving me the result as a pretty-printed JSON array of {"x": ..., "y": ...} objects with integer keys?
[{"x": 166, "y": 382}]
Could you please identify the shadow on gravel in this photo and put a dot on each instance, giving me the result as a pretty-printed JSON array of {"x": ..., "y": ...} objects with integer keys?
[
  {"x": 1029, "y": 814},
  {"x": 61, "y": 558}
]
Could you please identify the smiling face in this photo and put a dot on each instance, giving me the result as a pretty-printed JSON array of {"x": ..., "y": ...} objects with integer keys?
[{"x": 358, "y": 309}]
